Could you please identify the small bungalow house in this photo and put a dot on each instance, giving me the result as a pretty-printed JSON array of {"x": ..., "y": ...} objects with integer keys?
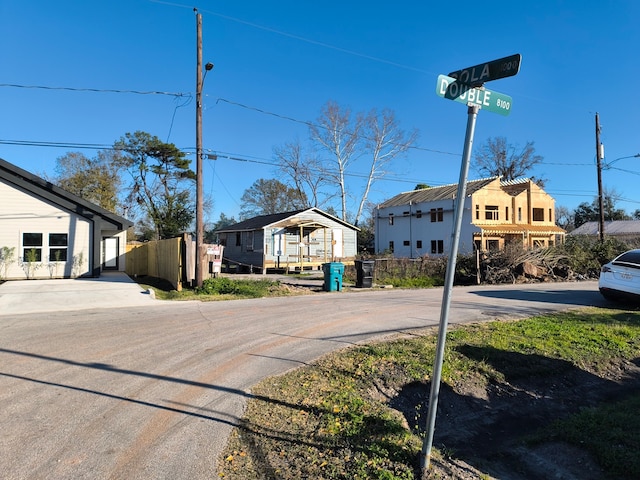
[
  {"x": 46, "y": 232},
  {"x": 299, "y": 240},
  {"x": 420, "y": 222}
]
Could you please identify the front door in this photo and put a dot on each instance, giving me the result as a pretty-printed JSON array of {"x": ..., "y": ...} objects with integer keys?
[
  {"x": 110, "y": 253},
  {"x": 336, "y": 240}
]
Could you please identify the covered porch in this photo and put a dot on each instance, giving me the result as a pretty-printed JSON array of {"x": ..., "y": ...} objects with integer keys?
[{"x": 495, "y": 237}]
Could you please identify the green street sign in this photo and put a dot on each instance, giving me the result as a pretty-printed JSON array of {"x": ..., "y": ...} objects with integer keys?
[
  {"x": 485, "y": 72},
  {"x": 495, "y": 102}
]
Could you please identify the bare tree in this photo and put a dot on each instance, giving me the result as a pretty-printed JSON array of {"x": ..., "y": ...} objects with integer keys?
[
  {"x": 384, "y": 141},
  {"x": 266, "y": 197},
  {"x": 498, "y": 158},
  {"x": 337, "y": 132},
  {"x": 304, "y": 170},
  {"x": 564, "y": 217}
]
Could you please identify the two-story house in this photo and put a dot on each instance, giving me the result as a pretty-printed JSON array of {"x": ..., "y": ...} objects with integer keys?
[{"x": 420, "y": 222}]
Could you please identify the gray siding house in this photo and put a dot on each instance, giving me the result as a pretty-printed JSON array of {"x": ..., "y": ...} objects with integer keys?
[
  {"x": 299, "y": 240},
  {"x": 47, "y": 232}
]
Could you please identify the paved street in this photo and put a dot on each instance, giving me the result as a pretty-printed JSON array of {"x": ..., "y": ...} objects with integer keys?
[{"x": 152, "y": 391}]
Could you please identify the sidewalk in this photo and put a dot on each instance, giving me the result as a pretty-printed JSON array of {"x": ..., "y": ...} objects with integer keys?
[{"x": 111, "y": 289}]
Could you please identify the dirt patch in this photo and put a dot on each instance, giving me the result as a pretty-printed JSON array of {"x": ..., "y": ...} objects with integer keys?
[{"x": 485, "y": 430}]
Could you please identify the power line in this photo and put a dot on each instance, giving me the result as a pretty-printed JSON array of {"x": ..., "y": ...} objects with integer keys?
[
  {"x": 96, "y": 90},
  {"x": 311, "y": 124},
  {"x": 35, "y": 143},
  {"x": 214, "y": 155},
  {"x": 299, "y": 38}
]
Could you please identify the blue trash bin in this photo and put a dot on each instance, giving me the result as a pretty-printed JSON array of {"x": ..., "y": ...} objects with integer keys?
[{"x": 333, "y": 273}]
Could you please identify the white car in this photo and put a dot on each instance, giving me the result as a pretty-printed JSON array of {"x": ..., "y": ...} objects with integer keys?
[{"x": 620, "y": 278}]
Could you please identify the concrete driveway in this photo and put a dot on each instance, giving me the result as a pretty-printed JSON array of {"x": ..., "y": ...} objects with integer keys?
[{"x": 112, "y": 289}]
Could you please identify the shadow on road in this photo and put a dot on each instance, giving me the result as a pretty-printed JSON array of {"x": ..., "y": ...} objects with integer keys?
[{"x": 583, "y": 298}]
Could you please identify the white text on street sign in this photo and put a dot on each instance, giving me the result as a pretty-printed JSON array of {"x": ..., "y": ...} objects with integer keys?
[
  {"x": 490, "y": 100},
  {"x": 485, "y": 72}
]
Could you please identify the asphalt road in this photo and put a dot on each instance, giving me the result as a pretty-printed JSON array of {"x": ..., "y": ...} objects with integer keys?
[{"x": 153, "y": 392}]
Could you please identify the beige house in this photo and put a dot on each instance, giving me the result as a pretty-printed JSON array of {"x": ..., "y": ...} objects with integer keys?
[
  {"x": 495, "y": 213},
  {"x": 47, "y": 232}
]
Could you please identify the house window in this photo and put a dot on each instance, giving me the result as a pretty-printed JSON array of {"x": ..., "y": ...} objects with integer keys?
[
  {"x": 238, "y": 239},
  {"x": 550, "y": 216},
  {"x": 406, "y": 243},
  {"x": 418, "y": 213},
  {"x": 437, "y": 214},
  {"x": 391, "y": 219},
  {"x": 493, "y": 245},
  {"x": 477, "y": 212},
  {"x": 491, "y": 212},
  {"x": 506, "y": 213},
  {"x": 58, "y": 243},
  {"x": 250, "y": 238},
  {"x": 538, "y": 214},
  {"x": 32, "y": 247},
  {"x": 391, "y": 246},
  {"x": 519, "y": 214},
  {"x": 437, "y": 246},
  {"x": 418, "y": 243},
  {"x": 538, "y": 243}
]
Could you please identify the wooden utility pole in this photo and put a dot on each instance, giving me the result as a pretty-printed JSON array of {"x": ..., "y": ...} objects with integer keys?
[
  {"x": 599, "y": 163},
  {"x": 199, "y": 188}
]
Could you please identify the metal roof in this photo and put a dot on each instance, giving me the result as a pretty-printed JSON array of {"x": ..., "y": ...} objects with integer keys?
[
  {"x": 283, "y": 220},
  {"x": 612, "y": 227},
  {"x": 435, "y": 193}
]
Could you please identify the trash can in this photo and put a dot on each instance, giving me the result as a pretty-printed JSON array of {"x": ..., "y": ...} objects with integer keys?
[
  {"x": 364, "y": 273},
  {"x": 333, "y": 276}
]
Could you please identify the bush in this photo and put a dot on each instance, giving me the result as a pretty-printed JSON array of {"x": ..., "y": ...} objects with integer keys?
[
  {"x": 585, "y": 255},
  {"x": 240, "y": 288}
]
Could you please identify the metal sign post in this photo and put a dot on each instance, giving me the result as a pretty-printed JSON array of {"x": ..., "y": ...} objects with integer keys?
[
  {"x": 448, "y": 285},
  {"x": 464, "y": 86}
]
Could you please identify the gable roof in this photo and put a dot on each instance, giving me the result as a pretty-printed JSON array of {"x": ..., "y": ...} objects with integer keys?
[
  {"x": 23, "y": 180},
  {"x": 281, "y": 220},
  {"x": 435, "y": 193},
  {"x": 612, "y": 227}
]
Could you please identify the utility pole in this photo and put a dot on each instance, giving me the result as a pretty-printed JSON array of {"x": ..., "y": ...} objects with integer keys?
[
  {"x": 599, "y": 163},
  {"x": 199, "y": 188}
]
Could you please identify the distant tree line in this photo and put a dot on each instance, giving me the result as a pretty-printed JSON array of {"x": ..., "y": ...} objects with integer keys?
[{"x": 151, "y": 182}]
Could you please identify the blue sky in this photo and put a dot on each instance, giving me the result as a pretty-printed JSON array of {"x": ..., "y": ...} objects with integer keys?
[{"x": 278, "y": 63}]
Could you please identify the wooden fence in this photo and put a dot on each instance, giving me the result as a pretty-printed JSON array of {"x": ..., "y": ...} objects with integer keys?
[{"x": 160, "y": 259}]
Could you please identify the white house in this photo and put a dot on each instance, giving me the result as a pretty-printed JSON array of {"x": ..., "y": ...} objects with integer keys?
[
  {"x": 495, "y": 213},
  {"x": 46, "y": 232},
  {"x": 299, "y": 240}
]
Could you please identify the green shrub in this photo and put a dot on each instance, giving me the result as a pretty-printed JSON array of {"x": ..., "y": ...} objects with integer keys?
[{"x": 239, "y": 288}]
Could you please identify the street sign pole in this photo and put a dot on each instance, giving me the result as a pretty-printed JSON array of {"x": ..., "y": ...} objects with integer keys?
[
  {"x": 436, "y": 377},
  {"x": 464, "y": 86}
]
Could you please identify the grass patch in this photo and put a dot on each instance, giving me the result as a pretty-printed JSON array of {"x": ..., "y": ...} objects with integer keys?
[
  {"x": 611, "y": 433},
  {"x": 220, "y": 288},
  {"x": 237, "y": 288},
  {"x": 333, "y": 419}
]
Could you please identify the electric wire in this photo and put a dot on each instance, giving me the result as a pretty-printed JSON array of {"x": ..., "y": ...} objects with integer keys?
[{"x": 96, "y": 90}]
